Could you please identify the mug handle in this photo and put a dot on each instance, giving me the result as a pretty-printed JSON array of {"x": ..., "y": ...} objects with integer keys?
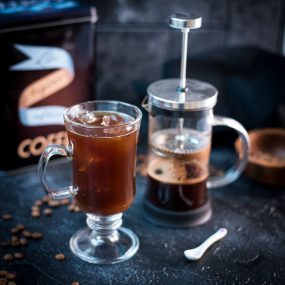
[
  {"x": 51, "y": 150},
  {"x": 235, "y": 171}
]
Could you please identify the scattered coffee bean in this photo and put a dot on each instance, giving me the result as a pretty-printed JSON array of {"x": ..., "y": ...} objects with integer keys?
[
  {"x": 8, "y": 257},
  {"x": 10, "y": 276},
  {"x": 37, "y": 235},
  {"x": 7, "y": 217},
  {"x": 18, "y": 255},
  {"x": 3, "y": 272},
  {"x": 64, "y": 202},
  {"x": 59, "y": 256},
  {"x": 23, "y": 241},
  {"x": 3, "y": 281},
  {"x": 27, "y": 234},
  {"x": 35, "y": 214},
  {"x": 48, "y": 211},
  {"x": 11, "y": 283},
  {"x": 20, "y": 227},
  {"x": 53, "y": 203},
  {"x": 38, "y": 203},
  {"x": 14, "y": 231},
  {"x": 35, "y": 209},
  {"x": 14, "y": 238},
  {"x": 75, "y": 283}
]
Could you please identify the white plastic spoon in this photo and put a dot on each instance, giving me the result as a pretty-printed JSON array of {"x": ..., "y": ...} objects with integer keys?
[{"x": 197, "y": 253}]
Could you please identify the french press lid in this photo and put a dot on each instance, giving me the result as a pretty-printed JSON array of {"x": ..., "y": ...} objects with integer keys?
[
  {"x": 183, "y": 94},
  {"x": 198, "y": 95}
]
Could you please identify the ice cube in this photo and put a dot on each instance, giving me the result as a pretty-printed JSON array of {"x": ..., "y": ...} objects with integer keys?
[
  {"x": 114, "y": 118},
  {"x": 106, "y": 121},
  {"x": 86, "y": 117},
  {"x": 90, "y": 117},
  {"x": 79, "y": 116}
]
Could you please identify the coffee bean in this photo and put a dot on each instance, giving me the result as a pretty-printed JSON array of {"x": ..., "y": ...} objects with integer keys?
[
  {"x": 35, "y": 209},
  {"x": 37, "y": 235},
  {"x": 7, "y": 217},
  {"x": 75, "y": 283},
  {"x": 59, "y": 256},
  {"x": 20, "y": 227},
  {"x": 14, "y": 238},
  {"x": 11, "y": 283},
  {"x": 48, "y": 211},
  {"x": 27, "y": 234},
  {"x": 8, "y": 257},
  {"x": 10, "y": 276},
  {"x": 3, "y": 281},
  {"x": 53, "y": 203},
  {"x": 23, "y": 241},
  {"x": 14, "y": 231},
  {"x": 38, "y": 203},
  {"x": 18, "y": 255},
  {"x": 64, "y": 202},
  {"x": 35, "y": 214},
  {"x": 3, "y": 272}
]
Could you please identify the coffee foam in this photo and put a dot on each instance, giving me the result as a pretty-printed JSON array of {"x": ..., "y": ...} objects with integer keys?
[{"x": 178, "y": 171}]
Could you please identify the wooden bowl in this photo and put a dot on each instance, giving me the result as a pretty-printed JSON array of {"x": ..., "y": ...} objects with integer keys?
[{"x": 266, "y": 162}]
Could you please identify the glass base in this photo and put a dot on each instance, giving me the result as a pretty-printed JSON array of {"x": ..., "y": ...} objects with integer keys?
[
  {"x": 174, "y": 219},
  {"x": 96, "y": 246}
]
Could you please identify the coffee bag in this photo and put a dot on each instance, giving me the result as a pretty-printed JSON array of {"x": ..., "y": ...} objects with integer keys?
[{"x": 47, "y": 63}]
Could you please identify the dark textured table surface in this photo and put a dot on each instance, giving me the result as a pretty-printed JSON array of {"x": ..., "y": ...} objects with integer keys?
[{"x": 253, "y": 252}]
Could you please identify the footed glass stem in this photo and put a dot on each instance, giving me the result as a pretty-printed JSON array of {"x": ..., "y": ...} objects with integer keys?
[{"x": 104, "y": 241}]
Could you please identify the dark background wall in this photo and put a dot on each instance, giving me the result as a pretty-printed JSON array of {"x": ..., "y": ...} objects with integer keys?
[{"x": 135, "y": 44}]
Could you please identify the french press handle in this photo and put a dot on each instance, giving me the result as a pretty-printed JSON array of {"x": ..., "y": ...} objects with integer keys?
[{"x": 235, "y": 171}]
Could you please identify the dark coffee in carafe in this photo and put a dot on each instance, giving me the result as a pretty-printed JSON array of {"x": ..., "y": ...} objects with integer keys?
[{"x": 176, "y": 177}]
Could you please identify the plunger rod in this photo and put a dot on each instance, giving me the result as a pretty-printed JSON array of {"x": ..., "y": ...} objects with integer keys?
[{"x": 183, "y": 65}]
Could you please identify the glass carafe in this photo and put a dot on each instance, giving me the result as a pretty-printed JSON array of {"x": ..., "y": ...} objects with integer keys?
[{"x": 179, "y": 138}]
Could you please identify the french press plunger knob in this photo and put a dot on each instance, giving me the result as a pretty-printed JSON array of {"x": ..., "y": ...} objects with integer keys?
[{"x": 185, "y": 21}]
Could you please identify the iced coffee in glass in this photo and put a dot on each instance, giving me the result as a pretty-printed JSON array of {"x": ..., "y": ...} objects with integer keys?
[{"x": 103, "y": 139}]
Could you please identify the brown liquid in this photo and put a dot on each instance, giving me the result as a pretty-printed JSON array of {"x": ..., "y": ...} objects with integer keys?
[
  {"x": 104, "y": 166},
  {"x": 178, "y": 183}
]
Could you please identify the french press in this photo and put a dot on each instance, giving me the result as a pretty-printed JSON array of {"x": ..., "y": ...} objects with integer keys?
[{"x": 179, "y": 137}]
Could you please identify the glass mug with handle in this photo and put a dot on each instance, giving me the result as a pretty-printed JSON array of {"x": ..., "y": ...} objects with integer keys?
[
  {"x": 103, "y": 139},
  {"x": 179, "y": 138}
]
